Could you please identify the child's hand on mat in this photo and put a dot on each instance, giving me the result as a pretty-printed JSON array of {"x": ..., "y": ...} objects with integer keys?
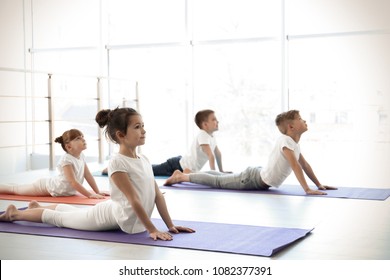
[
  {"x": 166, "y": 236},
  {"x": 315, "y": 192},
  {"x": 178, "y": 229},
  {"x": 96, "y": 196},
  {"x": 324, "y": 187},
  {"x": 105, "y": 193}
]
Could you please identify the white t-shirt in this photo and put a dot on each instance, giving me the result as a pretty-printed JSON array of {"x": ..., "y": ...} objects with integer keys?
[
  {"x": 278, "y": 168},
  {"x": 141, "y": 177},
  {"x": 196, "y": 159},
  {"x": 59, "y": 185}
]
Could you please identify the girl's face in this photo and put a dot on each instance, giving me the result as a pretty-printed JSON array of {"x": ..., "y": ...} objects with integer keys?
[
  {"x": 135, "y": 134},
  {"x": 77, "y": 145}
]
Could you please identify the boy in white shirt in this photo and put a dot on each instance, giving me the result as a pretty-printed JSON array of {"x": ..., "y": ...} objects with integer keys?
[
  {"x": 204, "y": 148},
  {"x": 284, "y": 158}
]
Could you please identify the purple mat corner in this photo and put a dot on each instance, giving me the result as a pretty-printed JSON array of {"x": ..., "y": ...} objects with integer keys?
[
  {"x": 294, "y": 190},
  {"x": 216, "y": 237}
]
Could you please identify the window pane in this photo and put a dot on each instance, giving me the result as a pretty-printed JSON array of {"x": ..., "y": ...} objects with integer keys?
[
  {"x": 39, "y": 85},
  {"x": 12, "y": 109},
  {"x": 146, "y": 21},
  {"x": 241, "y": 83},
  {"x": 329, "y": 16},
  {"x": 161, "y": 75},
  {"x": 75, "y": 62},
  {"x": 233, "y": 19},
  {"x": 341, "y": 86},
  {"x": 41, "y": 135},
  {"x": 74, "y": 100},
  {"x": 37, "y": 109},
  {"x": 65, "y": 23}
]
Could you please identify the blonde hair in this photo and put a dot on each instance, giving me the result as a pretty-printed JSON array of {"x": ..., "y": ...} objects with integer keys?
[
  {"x": 284, "y": 119},
  {"x": 68, "y": 136}
]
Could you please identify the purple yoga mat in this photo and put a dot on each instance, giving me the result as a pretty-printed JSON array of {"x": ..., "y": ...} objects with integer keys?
[
  {"x": 216, "y": 237},
  {"x": 341, "y": 192}
]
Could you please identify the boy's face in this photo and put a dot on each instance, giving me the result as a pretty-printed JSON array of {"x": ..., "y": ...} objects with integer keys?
[
  {"x": 211, "y": 124},
  {"x": 299, "y": 124}
]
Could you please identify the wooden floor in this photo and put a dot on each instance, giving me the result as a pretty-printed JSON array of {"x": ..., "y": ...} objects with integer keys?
[{"x": 345, "y": 229}]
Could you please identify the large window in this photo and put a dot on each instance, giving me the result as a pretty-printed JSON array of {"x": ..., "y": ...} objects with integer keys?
[
  {"x": 246, "y": 59},
  {"x": 338, "y": 77},
  {"x": 241, "y": 82},
  {"x": 161, "y": 76},
  {"x": 220, "y": 55},
  {"x": 234, "y": 19}
]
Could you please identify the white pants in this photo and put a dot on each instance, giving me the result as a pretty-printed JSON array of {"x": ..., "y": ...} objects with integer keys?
[
  {"x": 96, "y": 218},
  {"x": 38, "y": 188},
  {"x": 249, "y": 179}
]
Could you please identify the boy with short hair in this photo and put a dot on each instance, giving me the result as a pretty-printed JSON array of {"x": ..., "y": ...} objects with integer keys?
[
  {"x": 204, "y": 148},
  {"x": 284, "y": 158}
]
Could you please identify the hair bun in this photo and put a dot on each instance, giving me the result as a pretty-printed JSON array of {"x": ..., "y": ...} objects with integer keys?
[{"x": 102, "y": 117}]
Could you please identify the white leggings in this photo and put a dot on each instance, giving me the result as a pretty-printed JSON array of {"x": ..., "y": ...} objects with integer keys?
[
  {"x": 38, "y": 188},
  {"x": 96, "y": 218}
]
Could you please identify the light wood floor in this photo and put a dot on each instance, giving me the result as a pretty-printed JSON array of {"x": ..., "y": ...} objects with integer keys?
[{"x": 345, "y": 229}]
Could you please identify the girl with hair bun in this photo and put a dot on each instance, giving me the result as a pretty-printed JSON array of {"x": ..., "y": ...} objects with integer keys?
[
  {"x": 134, "y": 192},
  {"x": 72, "y": 170}
]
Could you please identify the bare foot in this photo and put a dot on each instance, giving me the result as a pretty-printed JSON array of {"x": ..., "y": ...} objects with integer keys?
[
  {"x": 176, "y": 177},
  {"x": 34, "y": 204},
  {"x": 7, "y": 216}
]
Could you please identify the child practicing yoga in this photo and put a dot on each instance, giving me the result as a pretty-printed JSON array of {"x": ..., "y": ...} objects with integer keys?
[
  {"x": 72, "y": 170},
  {"x": 134, "y": 192},
  {"x": 284, "y": 158},
  {"x": 204, "y": 148}
]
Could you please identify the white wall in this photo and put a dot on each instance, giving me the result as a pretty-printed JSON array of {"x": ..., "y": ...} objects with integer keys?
[{"x": 12, "y": 84}]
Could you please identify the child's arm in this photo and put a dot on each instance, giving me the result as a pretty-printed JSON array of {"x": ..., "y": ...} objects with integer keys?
[
  {"x": 207, "y": 150},
  {"x": 218, "y": 157},
  {"x": 310, "y": 173},
  {"x": 296, "y": 167},
  {"x": 163, "y": 211},
  {"x": 91, "y": 181},
  {"x": 121, "y": 180},
  {"x": 70, "y": 176}
]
